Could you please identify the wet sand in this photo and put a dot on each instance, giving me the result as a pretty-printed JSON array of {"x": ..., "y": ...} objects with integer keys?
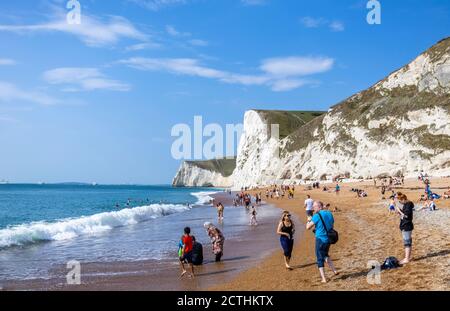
[{"x": 366, "y": 233}]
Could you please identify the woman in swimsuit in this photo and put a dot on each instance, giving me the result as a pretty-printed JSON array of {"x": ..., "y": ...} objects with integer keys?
[{"x": 286, "y": 230}]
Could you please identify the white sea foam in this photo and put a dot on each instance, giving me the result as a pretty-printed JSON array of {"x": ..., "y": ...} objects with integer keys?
[
  {"x": 203, "y": 197},
  {"x": 89, "y": 225}
]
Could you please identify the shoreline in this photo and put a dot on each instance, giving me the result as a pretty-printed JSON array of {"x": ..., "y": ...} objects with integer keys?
[
  {"x": 366, "y": 233},
  {"x": 242, "y": 251}
]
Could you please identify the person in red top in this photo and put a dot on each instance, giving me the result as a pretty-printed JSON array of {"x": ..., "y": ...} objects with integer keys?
[{"x": 186, "y": 258}]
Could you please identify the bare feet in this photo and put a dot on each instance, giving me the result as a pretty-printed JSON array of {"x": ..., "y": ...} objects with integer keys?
[
  {"x": 324, "y": 281},
  {"x": 183, "y": 273},
  {"x": 404, "y": 261},
  {"x": 336, "y": 273}
]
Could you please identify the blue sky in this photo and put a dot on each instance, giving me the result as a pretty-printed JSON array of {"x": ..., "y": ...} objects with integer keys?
[{"x": 96, "y": 102}]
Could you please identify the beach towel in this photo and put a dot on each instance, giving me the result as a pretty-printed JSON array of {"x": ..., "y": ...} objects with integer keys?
[{"x": 390, "y": 263}]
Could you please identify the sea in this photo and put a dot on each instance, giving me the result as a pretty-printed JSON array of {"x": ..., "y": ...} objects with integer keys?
[{"x": 43, "y": 225}]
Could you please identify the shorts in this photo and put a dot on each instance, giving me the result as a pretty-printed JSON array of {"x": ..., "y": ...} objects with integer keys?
[
  {"x": 186, "y": 258},
  {"x": 309, "y": 213},
  {"x": 392, "y": 208},
  {"x": 322, "y": 249},
  {"x": 407, "y": 238}
]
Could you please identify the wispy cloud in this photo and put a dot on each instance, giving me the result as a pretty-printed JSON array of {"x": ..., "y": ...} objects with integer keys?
[
  {"x": 7, "y": 62},
  {"x": 173, "y": 32},
  {"x": 92, "y": 31},
  {"x": 316, "y": 22},
  {"x": 156, "y": 5},
  {"x": 83, "y": 79},
  {"x": 254, "y": 2},
  {"x": 143, "y": 46},
  {"x": 11, "y": 93},
  {"x": 198, "y": 42},
  {"x": 280, "y": 74},
  {"x": 337, "y": 26}
]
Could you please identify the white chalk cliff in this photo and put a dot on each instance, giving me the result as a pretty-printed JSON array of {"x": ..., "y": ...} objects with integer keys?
[{"x": 400, "y": 126}]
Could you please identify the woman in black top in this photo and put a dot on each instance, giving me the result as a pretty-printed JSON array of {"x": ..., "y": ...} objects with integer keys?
[
  {"x": 406, "y": 225},
  {"x": 286, "y": 230}
]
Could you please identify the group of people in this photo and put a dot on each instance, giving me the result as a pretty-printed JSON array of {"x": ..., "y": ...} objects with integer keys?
[
  {"x": 278, "y": 192},
  {"x": 321, "y": 222},
  {"x": 190, "y": 252}
]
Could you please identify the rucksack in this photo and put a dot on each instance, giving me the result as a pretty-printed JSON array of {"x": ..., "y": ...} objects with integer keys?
[{"x": 390, "y": 263}]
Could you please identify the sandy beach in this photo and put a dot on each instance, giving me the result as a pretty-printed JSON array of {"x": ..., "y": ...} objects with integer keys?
[{"x": 366, "y": 233}]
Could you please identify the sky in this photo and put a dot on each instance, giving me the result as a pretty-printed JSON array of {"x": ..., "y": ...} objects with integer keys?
[{"x": 96, "y": 101}]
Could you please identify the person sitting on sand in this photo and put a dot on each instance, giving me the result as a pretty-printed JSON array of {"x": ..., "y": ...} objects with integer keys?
[
  {"x": 186, "y": 252},
  {"x": 406, "y": 225},
  {"x": 217, "y": 240},
  {"x": 447, "y": 194},
  {"x": 286, "y": 230},
  {"x": 197, "y": 252},
  {"x": 322, "y": 221}
]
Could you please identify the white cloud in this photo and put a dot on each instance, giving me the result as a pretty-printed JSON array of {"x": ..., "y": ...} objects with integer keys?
[
  {"x": 11, "y": 93},
  {"x": 311, "y": 22},
  {"x": 92, "y": 31},
  {"x": 7, "y": 62},
  {"x": 287, "y": 85},
  {"x": 86, "y": 79},
  {"x": 143, "y": 46},
  {"x": 156, "y": 5},
  {"x": 337, "y": 26},
  {"x": 253, "y": 2},
  {"x": 316, "y": 22},
  {"x": 198, "y": 42},
  {"x": 296, "y": 66},
  {"x": 280, "y": 74},
  {"x": 171, "y": 30}
]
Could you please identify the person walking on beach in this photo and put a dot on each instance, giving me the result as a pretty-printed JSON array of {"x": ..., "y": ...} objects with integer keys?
[
  {"x": 286, "y": 230},
  {"x": 309, "y": 206},
  {"x": 338, "y": 188},
  {"x": 186, "y": 252},
  {"x": 406, "y": 225},
  {"x": 217, "y": 240},
  {"x": 220, "y": 209},
  {"x": 322, "y": 222},
  {"x": 253, "y": 221}
]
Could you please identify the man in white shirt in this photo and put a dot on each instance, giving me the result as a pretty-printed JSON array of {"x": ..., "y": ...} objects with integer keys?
[{"x": 309, "y": 206}]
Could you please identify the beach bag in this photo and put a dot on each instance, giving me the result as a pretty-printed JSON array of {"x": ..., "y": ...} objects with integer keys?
[
  {"x": 333, "y": 235},
  {"x": 390, "y": 263}
]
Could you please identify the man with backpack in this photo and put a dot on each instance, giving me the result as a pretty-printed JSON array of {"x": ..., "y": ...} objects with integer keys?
[{"x": 323, "y": 223}]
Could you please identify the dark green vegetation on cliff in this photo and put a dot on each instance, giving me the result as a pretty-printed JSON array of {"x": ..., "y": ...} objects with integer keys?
[{"x": 223, "y": 166}]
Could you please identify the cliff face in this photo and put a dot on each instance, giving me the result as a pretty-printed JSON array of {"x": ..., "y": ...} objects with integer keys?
[
  {"x": 399, "y": 126},
  {"x": 214, "y": 173}
]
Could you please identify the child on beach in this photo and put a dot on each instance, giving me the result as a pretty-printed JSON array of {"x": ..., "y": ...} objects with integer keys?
[
  {"x": 392, "y": 206},
  {"x": 253, "y": 221},
  {"x": 185, "y": 252}
]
